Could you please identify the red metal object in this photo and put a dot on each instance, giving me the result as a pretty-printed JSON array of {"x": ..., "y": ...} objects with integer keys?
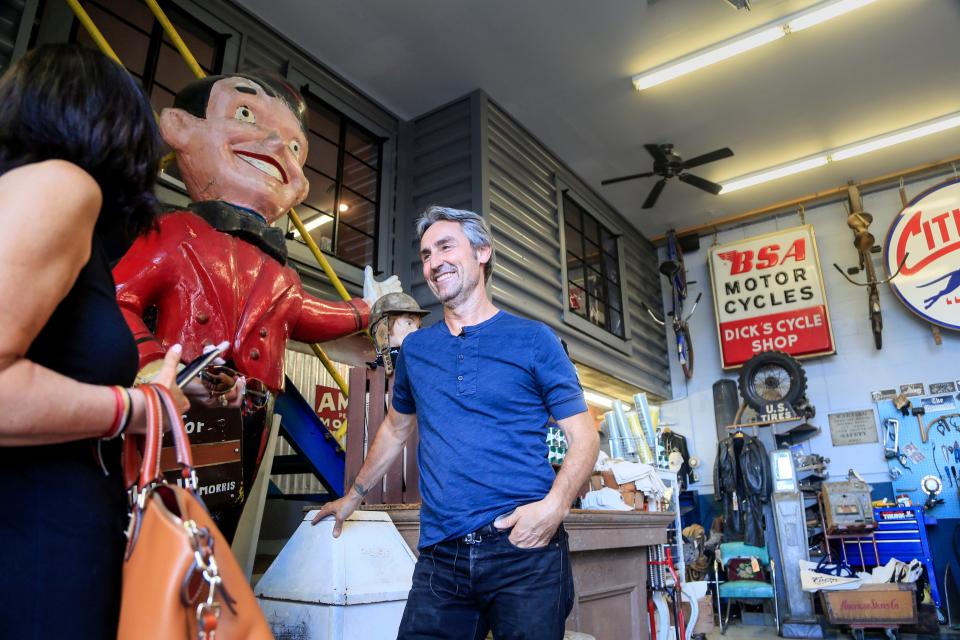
[{"x": 208, "y": 286}]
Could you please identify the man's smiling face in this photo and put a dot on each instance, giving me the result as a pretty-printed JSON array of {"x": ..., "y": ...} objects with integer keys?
[
  {"x": 452, "y": 268},
  {"x": 248, "y": 151}
]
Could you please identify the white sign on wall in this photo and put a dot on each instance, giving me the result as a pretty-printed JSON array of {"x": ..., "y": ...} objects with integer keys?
[
  {"x": 768, "y": 294},
  {"x": 925, "y": 238}
]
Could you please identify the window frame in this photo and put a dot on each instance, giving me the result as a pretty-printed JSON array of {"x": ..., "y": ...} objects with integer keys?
[
  {"x": 571, "y": 318},
  {"x": 298, "y": 251}
]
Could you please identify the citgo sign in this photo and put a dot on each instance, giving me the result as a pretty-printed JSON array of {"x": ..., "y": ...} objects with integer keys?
[
  {"x": 768, "y": 295},
  {"x": 925, "y": 238}
]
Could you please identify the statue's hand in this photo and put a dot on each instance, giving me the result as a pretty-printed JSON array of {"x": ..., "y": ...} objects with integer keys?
[{"x": 373, "y": 289}]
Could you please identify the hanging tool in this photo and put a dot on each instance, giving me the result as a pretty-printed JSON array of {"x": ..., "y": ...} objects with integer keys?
[
  {"x": 918, "y": 412},
  {"x": 933, "y": 451},
  {"x": 891, "y": 442},
  {"x": 946, "y": 472},
  {"x": 953, "y": 471}
]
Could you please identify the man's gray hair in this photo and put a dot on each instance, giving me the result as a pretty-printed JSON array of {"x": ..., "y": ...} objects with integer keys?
[{"x": 473, "y": 227}]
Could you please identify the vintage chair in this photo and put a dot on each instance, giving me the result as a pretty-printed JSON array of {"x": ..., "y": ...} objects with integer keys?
[{"x": 736, "y": 559}]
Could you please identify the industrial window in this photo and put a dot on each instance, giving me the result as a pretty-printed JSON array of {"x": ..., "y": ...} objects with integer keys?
[
  {"x": 593, "y": 269},
  {"x": 343, "y": 166},
  {"x": 144, "y": 48}
]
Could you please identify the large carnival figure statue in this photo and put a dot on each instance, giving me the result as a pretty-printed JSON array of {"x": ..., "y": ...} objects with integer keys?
[{"x": 216, "y": 270}]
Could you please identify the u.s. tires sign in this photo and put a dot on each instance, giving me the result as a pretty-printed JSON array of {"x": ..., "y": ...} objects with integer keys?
[
  {"x": 925, "y": 238},
  {"x": 768, "y": 295}
]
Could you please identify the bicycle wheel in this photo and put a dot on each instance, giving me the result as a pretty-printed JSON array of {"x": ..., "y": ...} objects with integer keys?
[{"x": 685, "y": 350}]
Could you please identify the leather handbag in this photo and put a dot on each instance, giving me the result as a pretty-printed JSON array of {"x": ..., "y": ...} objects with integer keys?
[{"x": 180, "y": 578}]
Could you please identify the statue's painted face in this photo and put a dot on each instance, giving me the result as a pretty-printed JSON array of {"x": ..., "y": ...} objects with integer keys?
[{"x": 248, "y": 151}]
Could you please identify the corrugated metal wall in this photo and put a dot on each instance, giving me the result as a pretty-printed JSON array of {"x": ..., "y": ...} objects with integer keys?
[
  {"x": 472, "y": 154},
  {"x": 441, "y": 156}
]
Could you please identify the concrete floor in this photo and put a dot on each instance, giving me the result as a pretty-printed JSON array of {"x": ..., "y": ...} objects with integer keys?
[{"x": 741, "y": 632}]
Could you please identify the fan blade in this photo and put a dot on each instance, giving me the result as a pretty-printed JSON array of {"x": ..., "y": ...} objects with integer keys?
[
  {"x": 623, "y": 178},
  {"x": 654, "y": 194},
  {"x": 656, "y": 152},
  {"x": 700, "y": 183},
  {"x": 713, "y": 156}
]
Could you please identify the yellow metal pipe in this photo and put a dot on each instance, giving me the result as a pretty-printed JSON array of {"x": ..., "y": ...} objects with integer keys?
[
  {"x": 175, "y": 38},
  {"x": 328, "y": 363},
  {"x": 94, "y": 32},
  {"x": 315, "y": 250}
]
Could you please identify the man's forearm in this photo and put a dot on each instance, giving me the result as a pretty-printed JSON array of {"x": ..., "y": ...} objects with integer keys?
[
  {"x": 577, "y": 466},
  {"x": 387, "y": 445}
]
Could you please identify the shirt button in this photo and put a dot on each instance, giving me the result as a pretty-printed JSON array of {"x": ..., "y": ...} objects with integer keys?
[
  {"x": 459, "y": 377},
  {"x": 460, "y": 356}
]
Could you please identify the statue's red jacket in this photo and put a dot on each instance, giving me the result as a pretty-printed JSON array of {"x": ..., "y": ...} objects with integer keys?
[{"x": 209, "y": 286}]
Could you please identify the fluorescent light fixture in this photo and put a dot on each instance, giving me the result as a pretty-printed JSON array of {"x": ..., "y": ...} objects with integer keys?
[
  {"x": 943, "y": 123},
  {"x": 773, "y": 174},
  {"x": 746, "y": 41},
  {"x": 890, "y": 139},
  {"x": 819, "y": 14},
  {"x": 598, "y": 399},
  {"x": 317, "y": 221},
  {"x": 706, "y": 57}
]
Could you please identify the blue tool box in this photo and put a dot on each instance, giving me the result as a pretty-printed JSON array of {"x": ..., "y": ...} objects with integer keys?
[{"x": 901, "y": 533}]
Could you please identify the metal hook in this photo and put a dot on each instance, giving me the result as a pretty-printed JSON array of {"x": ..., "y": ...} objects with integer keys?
[
  {"x": 875, "y": 282},
  {"x": 802, "y": 213},
  {"x": 901, "y": 182},
  {"x": 716, "y": 234},
  {"x": 953, "y": 165}
]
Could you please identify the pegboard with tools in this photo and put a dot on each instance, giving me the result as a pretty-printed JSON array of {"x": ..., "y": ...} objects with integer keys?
[{"x": 921, "y": 437}]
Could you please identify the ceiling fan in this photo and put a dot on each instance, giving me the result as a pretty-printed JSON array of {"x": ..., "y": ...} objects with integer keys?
[{"x": 667, "y": 164}]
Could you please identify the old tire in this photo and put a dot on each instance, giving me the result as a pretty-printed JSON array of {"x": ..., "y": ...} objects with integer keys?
[{"x": 770, "y": 377}]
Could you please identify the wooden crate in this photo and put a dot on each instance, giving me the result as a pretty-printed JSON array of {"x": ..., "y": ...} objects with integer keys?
[{"x": 871, "y": 604}]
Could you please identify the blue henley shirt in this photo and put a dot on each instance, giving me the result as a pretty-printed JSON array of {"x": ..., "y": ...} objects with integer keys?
[{"x": 482, "y": 400}]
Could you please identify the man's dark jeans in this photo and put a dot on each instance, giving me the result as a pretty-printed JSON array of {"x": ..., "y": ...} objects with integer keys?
[{"x": 463, "y": 589}]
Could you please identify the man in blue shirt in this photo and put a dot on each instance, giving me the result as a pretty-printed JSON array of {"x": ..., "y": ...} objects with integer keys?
[{"x": 481, "y": 385}]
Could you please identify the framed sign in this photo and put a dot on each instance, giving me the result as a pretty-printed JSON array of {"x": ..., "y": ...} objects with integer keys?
[
  {"x": 925, "y": 239},
  {"x": 853, "y": 427},
  {"x": 768, "y": 295}
]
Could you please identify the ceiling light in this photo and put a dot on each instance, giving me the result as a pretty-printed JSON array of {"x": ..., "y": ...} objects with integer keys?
[
  {"x": 317, "y": 221},
  {"x": 890, "y": 139},
  {"x": 773, "y": 174},
  {"x": 344, "y": 207},
  {"x": 598, "y": 399},
  {"x": 746, "y": 41},
  {"x": 883, "y": 141}
]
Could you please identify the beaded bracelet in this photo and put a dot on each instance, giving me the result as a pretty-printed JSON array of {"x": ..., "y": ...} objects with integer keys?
[{"x": 124, "y": 409}]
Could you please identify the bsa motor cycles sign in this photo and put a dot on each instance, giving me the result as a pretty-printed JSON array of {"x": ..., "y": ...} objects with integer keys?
[
  {"x": 768, "y": 295},
  {"x": 925, "y": 238}
]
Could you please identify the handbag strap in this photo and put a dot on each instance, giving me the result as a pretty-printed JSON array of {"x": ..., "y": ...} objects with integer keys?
[{"x": 157, "y": 402}]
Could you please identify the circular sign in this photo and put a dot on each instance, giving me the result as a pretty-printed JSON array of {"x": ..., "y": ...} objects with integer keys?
[{"x": 924, "y": 243}]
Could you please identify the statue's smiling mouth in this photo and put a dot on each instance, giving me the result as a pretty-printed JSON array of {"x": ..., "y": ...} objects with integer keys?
[{"x": 264, "y": 163}]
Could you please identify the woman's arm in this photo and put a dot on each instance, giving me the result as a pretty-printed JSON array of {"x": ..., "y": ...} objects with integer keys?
[{"x": 48, "y": 211}]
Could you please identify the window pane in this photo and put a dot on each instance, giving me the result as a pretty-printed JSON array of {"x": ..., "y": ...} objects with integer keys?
[
  {"x": 575, "y": 273},
  {"x": 324, "y": 122},
  {"x": 202, "y": 43},
  {"x": 319, "y": 226},
  {"x": 596, "y": 286},
  {"x": 354, "y": 247},
  {"x": 615, "y": 323},
  {"x": 573, "y": 240},
  {"x": 133, "y": 11},
  {"x": 612, "y": 267},
  {"x": 591, "y": 230},
  {"x": 160, "y": 98},
  {"x": 598, "y": 313},
  {"x": 129, "y": 43},
  {"x": 591, "y": 254},
  {"x": 358, "y": 212},
  {"x": 609, "y": 242},
  {"x": 359, "y": 177},
  {"x": 172, "y": 72},
  {"x": 613, "y": 295},
  {"x": 322, "y": 191},
  {"x": 322, "y": 156},
  {"x": 363, "y": 145},
  {"x": 577, "y": 300},
  {"x": 571, "y": 213}
]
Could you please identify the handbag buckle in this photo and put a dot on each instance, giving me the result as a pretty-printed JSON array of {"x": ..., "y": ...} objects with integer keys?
[{"x": 208, "y": 615}]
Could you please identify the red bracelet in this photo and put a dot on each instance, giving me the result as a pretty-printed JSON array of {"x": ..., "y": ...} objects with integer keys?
[{"x": 121, "y": 418}]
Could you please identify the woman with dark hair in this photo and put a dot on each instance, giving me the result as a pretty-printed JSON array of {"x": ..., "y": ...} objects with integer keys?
[{"x": 79, "y": 153}]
